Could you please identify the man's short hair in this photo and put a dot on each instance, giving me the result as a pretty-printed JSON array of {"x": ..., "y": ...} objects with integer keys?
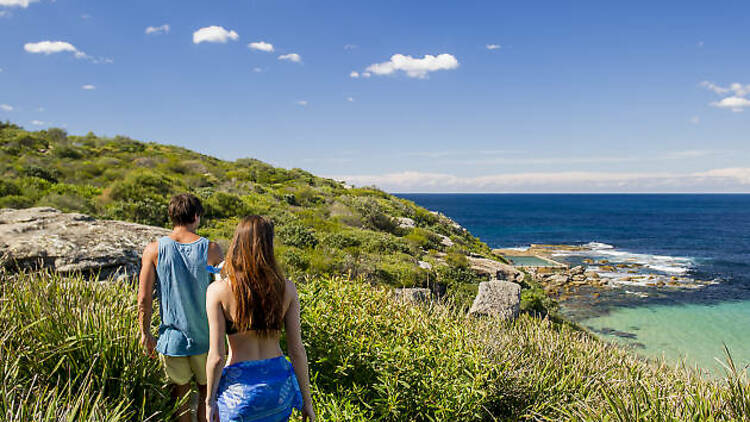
[{"x": 183, "y": 208}]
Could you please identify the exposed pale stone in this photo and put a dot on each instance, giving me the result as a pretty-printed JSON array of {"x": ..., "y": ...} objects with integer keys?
[
  {"x": 70, "y": 243},
  {"x": 577, "y": 270},
  {"x": 405, "y": 222},
  {"x": 494, "y": 269},
  {"x": 498, "y": 298},
  {"x": 445, "y": 241},
  {"x": 425, "y": 265},
  {"x": 414, "y": 294}
]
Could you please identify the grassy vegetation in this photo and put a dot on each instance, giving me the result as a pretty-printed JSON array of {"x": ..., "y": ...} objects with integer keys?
[
  {"x": 324, "y": 227},
  {"x": 68, "y": 351},
  {"x": 68, "y": 346}
]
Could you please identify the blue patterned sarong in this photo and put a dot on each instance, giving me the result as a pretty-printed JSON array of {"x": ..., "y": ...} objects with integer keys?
[{"x": 258, "y": 390}]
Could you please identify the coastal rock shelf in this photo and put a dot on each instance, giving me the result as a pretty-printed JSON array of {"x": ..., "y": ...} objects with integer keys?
[
  {"x": 72, "y": 243},
  {"x": 599, "y": 265}
]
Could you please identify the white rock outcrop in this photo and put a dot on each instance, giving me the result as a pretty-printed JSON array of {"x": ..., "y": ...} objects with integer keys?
[
  {"x": 497, "y": 298},
  {"x": 35, "y": 238}
]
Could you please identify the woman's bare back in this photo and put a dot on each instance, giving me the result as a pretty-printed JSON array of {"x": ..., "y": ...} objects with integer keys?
[{"x": 249, "y": 345}]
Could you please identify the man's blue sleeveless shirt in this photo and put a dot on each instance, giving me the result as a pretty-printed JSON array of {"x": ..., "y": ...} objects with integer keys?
[{"x": 181, "y": 291}]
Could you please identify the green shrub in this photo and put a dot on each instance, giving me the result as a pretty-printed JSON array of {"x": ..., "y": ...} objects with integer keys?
[
  {"x": 293, "y": 259},
  {"x": 16, "y": 201},
  {"x": 424, "y": 217},
  {"x": 68, "y": 202},
  {"x": 298, "y": 235},
  {"x": 342, "y": 240},
  {"x": 139, "y": 184},
  {"x": 402, "y": 274},
  {"x": 412, "y": 365},
  {"x": 151, "y": 210},
  {"x": 224, "y": 205},
  {"x": 423, "y": 238},
  {"x": 8, "y": 188},
  {"x": 68, "y": 152},
  {"x": 456, "y": 259},
  {"x": 49, "y": 174}
]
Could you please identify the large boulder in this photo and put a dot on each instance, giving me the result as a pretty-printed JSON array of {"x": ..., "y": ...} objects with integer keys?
[
  {"x": 36, "y": 238},
  {"x": 494, "y": 269},
  {"x": 497, "y": 298}
]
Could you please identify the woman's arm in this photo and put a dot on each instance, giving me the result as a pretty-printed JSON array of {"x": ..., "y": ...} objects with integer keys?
[
  {"x": 297, "y": 352},
  {"x": 217, "y": 347}
]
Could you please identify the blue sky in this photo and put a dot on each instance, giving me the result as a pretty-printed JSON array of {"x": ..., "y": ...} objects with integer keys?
[{"x": 571, "y": 97}]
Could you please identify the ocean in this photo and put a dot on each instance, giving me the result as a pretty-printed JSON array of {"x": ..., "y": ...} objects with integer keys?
[{"x": 703, "y": 241}]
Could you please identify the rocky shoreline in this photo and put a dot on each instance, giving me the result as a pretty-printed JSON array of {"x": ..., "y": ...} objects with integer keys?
[{"x": 597, "y": 270}]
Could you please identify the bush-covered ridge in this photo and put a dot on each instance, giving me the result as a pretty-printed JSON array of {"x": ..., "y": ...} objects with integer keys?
[{"x": 323, "y": 226}]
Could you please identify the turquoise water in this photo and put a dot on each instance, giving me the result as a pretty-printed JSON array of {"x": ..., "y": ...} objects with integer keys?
[
  {"x": 701, "y": 242},
  {"x": 691, "y": 332}
]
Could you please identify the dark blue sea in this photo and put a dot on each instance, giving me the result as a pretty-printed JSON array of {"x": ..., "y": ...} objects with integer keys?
[{"x": 702, "y": 241}]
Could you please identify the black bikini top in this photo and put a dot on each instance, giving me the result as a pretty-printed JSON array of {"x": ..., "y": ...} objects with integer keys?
[{"x": 230, "y": 327}]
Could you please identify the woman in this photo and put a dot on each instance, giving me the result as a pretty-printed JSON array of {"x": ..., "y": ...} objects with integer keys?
[{"x": 250, "y": 305}]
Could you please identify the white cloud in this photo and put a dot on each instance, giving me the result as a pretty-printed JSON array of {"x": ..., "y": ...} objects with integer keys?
[
  {"x": 37, "y": 122},
  {"x": 350, "y": 99},
  {"x": 736, "y": 101},
  {"x": 88, "y": 87},
  {"x": 492, "y": 46},
  {"x": 717, "y": 180},
  {"x": 354, "y": 74},
  {"x": 215, "y": 34},
  {"x": 257, "y": 69},
  {"x": 302, "y": 102},
  {"x": 738, "y": 174},
  {"x": 738, "y": 89},
  {"x": 366, "y": 74},
  {"x": 713, "y": 87},
  {"x": 736, "y": 104},
  {"x": 292, "y": 57},
  {"x": 695, "y": 120},
  {"x": 40, "y": 109},
  {"x": 155, "y": 30},
  {"x": 4, "y": 13},
  {"x": 52, "y": 47},
  {"x": 414, "y": 68},
  {"x": 6, "y": 107},
  {"x": 262, "y": 46},
  {"x": 17, "y": 3}
]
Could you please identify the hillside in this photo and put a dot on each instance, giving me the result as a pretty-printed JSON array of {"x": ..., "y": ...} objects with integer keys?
[
  {"x": 371, "y": 357},
  {"x": 323, "y": 226}
]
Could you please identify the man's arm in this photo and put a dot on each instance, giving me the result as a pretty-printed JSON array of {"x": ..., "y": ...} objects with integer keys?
[
  {"x": 215, "y": 255},
  {"x": 146, "y": 282}
]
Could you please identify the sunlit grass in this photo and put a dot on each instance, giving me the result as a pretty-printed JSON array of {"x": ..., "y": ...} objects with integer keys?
[{"x": 69, "y": 351}]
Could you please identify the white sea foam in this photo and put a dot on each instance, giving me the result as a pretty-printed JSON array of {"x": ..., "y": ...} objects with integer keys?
[
  {"x": 672, "y": 265},
  {"x": 517, "y": 248},
  {"x": 643, "y": 269}
]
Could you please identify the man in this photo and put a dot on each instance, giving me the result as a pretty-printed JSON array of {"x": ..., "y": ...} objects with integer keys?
[{"x": 180, "y": 262}]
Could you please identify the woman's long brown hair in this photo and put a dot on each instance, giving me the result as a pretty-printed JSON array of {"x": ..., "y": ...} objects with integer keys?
[{"x": 256, "y": 280}]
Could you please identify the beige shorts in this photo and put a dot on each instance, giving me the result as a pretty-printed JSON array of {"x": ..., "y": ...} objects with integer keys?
[{"x": 181, "y": 369}]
